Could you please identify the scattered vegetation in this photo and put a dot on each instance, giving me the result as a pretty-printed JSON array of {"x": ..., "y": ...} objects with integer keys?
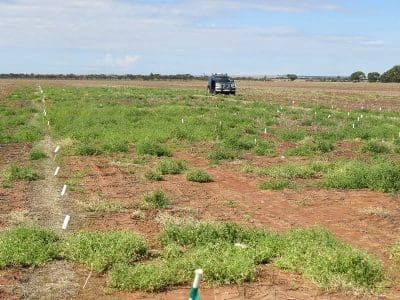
[
  {"x": 381, "y": 175},
  {"x": 198, "y": 175},
  {"x": 157, "y": 199},
  {"x": 102, "y": 250},
  {"x": 153, "y": 175},
  {"x": 104, "y": 206},
  {"x": 36, "y": 154},
  {"x": 27, "y": 246},
  {"x": 313, "y": 252},
  {"x": 395, "y": 252},
  {"x": 152, "y": 148},
  {"x": 15, "y": 172},
  {"x": 277, "y": 185},
  {"x": 170, "y": 166}
]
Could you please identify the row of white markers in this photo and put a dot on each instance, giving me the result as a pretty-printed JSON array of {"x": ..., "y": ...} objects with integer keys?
[{"x": 64, "y": 188}]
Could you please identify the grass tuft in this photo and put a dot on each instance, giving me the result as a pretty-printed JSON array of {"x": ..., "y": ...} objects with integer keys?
[
  {"x": 278, "y": 184},
  {"x": 170, "y": 166},
  {"x": 152, "y": 148},
  {"x": 26, "y": 246},
  {"x": 157, "y": 199},
  {"x": 198, "y": 175},
  {"x": 15, "y": 172},
  {"x": 101, "y": 250},
  {"x": 36, "y": 154}
]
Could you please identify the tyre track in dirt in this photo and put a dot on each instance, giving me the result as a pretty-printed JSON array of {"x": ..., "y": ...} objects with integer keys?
[{"x": 55, "y": 279}]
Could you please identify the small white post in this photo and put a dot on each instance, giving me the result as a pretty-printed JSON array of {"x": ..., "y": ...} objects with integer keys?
[
  {"x": 44, "y": 112},
  {"x": 255, "y": 140},
  {"x": 56, "y": 171},
  {"x": 329, "y": 116},
  {"x": 64, "y": 189},
  {"x": 197, "y": 278},
  {"x": 182, "y": 120},
  {"x": 265, "y": 130},
  {"x": 358, "y": 119},
  {"x": 66, "y": 221},
  {"x": 353, "y": 126},
  {"x": 48, "y": 123},
  {"x": 380, "y": 108},
  {"x": 57, "y": 148},
  {"x": 348, "y": 113}
]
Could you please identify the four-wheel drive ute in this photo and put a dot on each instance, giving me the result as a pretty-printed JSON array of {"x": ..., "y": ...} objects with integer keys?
[{"x": 221, "y": 83}]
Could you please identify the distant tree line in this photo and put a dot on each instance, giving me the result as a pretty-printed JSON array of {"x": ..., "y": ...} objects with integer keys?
[
  {"x": 391, "y": 75},
  {"x": 151, "y": 76}
]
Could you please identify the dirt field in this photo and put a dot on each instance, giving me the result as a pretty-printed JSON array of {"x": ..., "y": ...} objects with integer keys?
[{"x": 362, "y": 218}]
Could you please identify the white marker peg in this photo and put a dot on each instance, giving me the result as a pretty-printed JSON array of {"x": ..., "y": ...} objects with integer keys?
[
  {"x": 353, "y": 126},
  {"x": 380, "y": 108},
  {"x": 64, "y": 189},
  {"x": 361, "y": 116},
  {"x": 57, "y": 148},
  {"x": 348, "y": 113},
  {"x": 182, "y": 120},
  {"x": 358, "y": 119},
  {"x": 56, "y": 171},
  {"x": 265, "y": 130},
  {"x": 329, "y": 116},
  {"x": 66, "y": 221},
  {"x": 332, "y": 106},
  {"x": 44, "y": 112},
  {"x": 240, "y": 245},
  {"x": 315, "y": 113},
  {"x": 255, "y": 140},
  {"x": 197, "y": 278},
  {"x": 48, "y": 123}
]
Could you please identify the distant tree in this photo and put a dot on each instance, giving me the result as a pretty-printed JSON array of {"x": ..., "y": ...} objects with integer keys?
[
  {"x": 357, "y": 76},
  {"x": 373, "y": 76},
  {"x": 291, "y": 77},
  {"x": 392, "y": 75}
]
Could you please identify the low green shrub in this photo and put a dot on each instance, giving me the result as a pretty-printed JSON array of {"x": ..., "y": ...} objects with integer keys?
[
  {"x": 311, "y": 146},
  {"x": 381, "y": 175},
  {"x": 152, "y": 148},
  {"x": 264, "y": 148},
  {"x": 36, "y": 154},
  {"x": 27, "y": 246},
  {"x": 222, "y": 154},
  {"x": 374, "y": 146},
  {"x": 198, "y": 175},
  {"x": 153, "y": 175},
  {"x": 170, "y": 166},
  {"x": 87, "y": 150},
  {"x": 395, "y": 252},
  {"x": 278, "y": 184},
  {"x": 157, "y": 199},
  {"x": 297, "y": 170},
  {"x": 115, "y": 146},
  {"x": 15, "y": 172},
  {"x": 102, "y": 250},
  {"x": 104, "y": 206}
]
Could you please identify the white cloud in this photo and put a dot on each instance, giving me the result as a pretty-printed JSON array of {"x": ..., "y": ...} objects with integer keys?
[{"x": 117, "y": 62}]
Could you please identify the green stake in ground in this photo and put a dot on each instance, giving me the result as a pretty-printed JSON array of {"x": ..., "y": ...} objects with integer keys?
[{"x": 194, "y": 291}]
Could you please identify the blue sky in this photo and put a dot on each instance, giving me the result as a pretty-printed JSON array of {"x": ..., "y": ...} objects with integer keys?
[{"x": 308, "y": 37}]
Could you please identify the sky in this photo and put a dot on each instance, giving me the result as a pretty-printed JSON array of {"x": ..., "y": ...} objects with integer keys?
[{"x": 270, "y": 37}]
